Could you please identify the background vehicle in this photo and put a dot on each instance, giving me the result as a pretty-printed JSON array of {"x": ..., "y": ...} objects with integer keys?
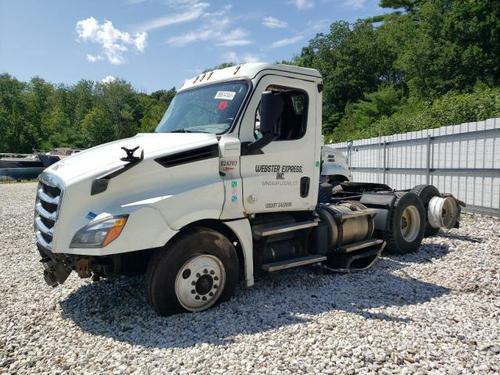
[
  {"x": 25, "y": 166},
  {"x": 236, "y": 180}
]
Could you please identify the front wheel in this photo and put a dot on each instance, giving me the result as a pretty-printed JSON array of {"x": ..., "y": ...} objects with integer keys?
[
  {"x": 197, "y": 271},
  {"x": 200, "y": 282}
]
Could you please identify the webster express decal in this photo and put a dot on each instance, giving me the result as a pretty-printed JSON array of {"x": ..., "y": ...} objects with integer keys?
[{"x": 277, "y": 168}]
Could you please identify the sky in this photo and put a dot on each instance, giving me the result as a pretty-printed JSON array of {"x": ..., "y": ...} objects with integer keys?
[{"x": 156, "y": 44}]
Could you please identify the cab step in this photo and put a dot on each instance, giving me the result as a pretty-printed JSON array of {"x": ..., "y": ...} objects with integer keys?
[
  {"x": 291, "y": 263},
  {"x": 265, "y": 230}
]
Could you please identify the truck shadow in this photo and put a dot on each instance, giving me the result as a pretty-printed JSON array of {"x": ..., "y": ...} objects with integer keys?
[
  {"x": 460, "y": 237},
  {"x": 117, "y": 308}
]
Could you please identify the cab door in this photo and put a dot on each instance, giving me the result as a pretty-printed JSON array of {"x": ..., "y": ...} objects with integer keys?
[{"x": 283, "y": 175}]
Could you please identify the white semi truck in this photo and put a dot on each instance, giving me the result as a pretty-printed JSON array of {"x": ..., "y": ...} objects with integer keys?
[{"x": 235, "y": 181}]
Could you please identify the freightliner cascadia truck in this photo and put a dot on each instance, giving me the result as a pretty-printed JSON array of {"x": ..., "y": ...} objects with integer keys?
[{"x": 234, "y": 182}]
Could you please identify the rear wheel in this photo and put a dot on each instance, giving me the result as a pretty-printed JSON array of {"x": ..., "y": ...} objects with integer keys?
[
  {"x": 196, "y": 272},
  {"x": 406, "y": 224},
  {"x": 426, "y": 193}
]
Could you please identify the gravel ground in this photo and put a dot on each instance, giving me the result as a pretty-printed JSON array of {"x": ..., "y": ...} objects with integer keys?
[{"x": 434, "y": 311}]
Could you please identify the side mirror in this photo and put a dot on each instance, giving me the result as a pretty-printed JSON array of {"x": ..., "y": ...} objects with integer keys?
[{"x": 271, "y": 108}]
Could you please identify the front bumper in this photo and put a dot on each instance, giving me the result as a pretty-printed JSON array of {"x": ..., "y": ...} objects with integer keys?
[{"x": 57, "y": 267}]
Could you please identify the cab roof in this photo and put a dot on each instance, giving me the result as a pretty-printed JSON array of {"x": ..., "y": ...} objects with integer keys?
[{"x": 246, "y": 71}]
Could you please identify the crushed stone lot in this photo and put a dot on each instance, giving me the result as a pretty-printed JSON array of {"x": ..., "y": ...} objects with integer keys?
[{"x": 437, "y": 310}]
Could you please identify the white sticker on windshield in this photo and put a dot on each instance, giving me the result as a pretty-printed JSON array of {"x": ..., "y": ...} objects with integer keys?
[{"x": 226, "y": 95}]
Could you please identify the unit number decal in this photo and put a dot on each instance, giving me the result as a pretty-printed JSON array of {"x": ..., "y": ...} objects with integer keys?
[
  {"x": 278, "y": 204},
  {"x": 228, "y": 165},
  {"x": 226, "y": 95}
]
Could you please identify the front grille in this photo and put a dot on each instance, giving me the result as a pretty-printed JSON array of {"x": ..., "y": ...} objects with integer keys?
[
  {"x": 47, "y": 205},
  {"x": 51, "y": 191},
  {"x": 50, "y": 207},
  {"x": 47, "y": 237},
  {"x": 47, "y": 222}
]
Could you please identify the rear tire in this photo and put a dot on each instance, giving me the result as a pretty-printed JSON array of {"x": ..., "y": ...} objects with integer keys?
[
  {"x": 426, "y": 193},
  {"x": 406, "y": 224},
  {"x": 197, "y": 271}
]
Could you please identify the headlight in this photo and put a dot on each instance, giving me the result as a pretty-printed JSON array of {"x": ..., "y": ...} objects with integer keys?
[{"x": 100, "y": 233}]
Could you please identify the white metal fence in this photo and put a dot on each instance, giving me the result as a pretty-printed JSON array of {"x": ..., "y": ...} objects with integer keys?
[{"x": 461, "y": 159}]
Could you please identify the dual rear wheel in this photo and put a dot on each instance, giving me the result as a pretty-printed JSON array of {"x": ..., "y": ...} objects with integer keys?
[
  {"x": 406, "y": 224},
  {"x": 426, "y": 193}
]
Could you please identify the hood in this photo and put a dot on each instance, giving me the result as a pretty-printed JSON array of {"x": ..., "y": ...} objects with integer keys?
[{"x": 106, "y": 157}]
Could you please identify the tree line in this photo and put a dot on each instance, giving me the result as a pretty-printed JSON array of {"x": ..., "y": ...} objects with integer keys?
[
  {"x": 40, "y": 115},
  {"x": 423, "y": 64}
]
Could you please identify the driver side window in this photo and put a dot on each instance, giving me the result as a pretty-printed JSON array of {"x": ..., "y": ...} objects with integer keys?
[{"x": 293, "y": 119}]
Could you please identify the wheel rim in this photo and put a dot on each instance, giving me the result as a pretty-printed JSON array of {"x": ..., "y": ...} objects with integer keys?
[
  {"x": 410, "y": 223},
  {"x": 200, "y": 282},
  {"x": 442, "y": 212}
]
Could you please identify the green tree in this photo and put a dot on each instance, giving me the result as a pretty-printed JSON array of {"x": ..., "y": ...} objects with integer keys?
[
  {"x": 450, "y": 46},
  {"x": 384, "y": 74},
  {"x": 14, "y": 132},
  {"x": 152, "y": 117},
  {"x": 155, "y": 106},
  {"x": 407, "y": 5},
  {"x": 220, "y": 66},
  {"x": 81, "y": 101},
  {"x": 121, "y": 104},
  {"x": 163, "y": 96},
  {"x": 37, "y": 98},
  {"x": 424, "y": 50},
  {"x": 97, "y": 127},
  {"x": 353, "y": 60},
  {"x": 40, "y": 115}
]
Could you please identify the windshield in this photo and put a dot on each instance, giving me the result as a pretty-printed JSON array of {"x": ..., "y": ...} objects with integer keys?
[{"x": 208, "y": 109}]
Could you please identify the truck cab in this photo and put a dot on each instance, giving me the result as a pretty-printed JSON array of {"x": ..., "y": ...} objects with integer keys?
[{"x": 234, "y": 181}]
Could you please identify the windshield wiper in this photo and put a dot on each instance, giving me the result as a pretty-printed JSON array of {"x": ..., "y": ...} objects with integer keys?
[{"x": 182, "y": 130}]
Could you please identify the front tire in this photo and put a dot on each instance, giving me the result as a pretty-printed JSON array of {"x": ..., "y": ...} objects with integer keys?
[{"x": 197, "y": 271}]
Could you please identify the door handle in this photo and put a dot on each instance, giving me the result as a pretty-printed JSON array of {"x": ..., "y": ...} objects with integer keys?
[{"x": 305, "y": 182}]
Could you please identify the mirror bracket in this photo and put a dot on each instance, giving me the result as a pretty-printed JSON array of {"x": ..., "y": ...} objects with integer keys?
[{"x": 251, "y": 148}]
